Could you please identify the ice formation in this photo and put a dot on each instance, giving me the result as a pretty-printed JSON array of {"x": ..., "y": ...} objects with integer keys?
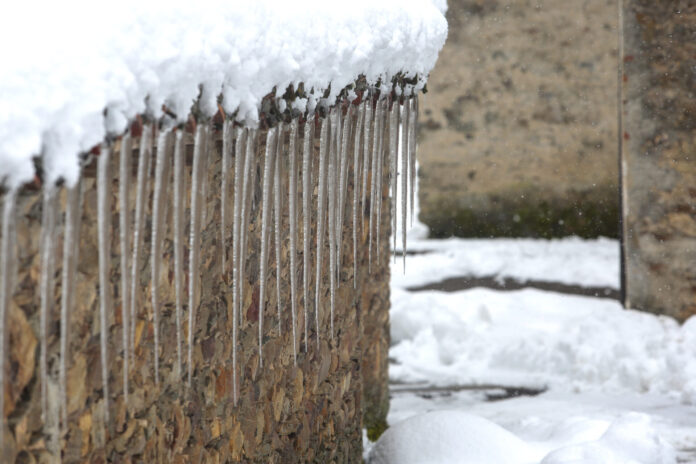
[{"x": 104, "y": 251}]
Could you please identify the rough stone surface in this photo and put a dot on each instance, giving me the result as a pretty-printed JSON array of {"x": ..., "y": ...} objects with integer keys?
[
  {"x": 311, "y": 412},
  {"x": 518, "y": 131},
  {"x": 659, "y": 156}
]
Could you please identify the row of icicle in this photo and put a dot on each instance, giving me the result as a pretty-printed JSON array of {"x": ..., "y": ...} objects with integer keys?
[{"x": 376, "y": 127}]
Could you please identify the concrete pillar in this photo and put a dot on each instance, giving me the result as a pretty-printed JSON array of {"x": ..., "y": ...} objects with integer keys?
[{"x": 658, "y": 155}]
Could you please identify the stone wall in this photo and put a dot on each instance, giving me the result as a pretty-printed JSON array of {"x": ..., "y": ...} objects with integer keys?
[
  {"x": 311, "y": 412},
  {"x": 659, "y": 156},
  {"x": 518, "y": 131}
]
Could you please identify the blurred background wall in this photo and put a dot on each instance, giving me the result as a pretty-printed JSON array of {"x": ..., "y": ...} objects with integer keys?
[{"x": 518, "y": 136}]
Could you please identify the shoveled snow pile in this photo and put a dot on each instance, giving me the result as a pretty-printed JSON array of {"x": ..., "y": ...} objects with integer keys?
[
  {"x": 453, "y": 437},
  {"x": 64, "y": 65},
  {"x": 537, "y": 338}
]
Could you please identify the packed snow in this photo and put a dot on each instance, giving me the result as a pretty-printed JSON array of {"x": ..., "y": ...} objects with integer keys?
[
  {"x": 599, "y": 384},
  {"x": 132, "y": 57},
  {"x": 455, "y": 437}
]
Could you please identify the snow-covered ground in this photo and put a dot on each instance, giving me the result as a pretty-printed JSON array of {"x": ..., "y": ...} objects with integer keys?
[{"x": 600, "y": 384}]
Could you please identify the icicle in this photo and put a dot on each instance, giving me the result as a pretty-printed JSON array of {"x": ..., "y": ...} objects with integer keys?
[
  {"x": 236, "y": 227},
  {"x": 70, "y": 256},
  {"x": 249, "y": 187},
  {"x": 373, "y": 181},
  {"x": 412, "y": 152},
  {"x": 336, "y": 143},
  {"x": 343, "y": 183},
  {"x": 292, "y": 212},
  {"x": 141, "y": 195},
  {"x": 278, "y": 217},
  {"x": 384, "y": 108},
  {"x": 394, "y": 160},
  {"x": 198, "y": 173},
  {"x": 47, "y": 285},
  {"x": 266, "y": 205},
  {"x": 158, "y": 214},
  {"x": 333, "y": 145},
  {"x": 8, "y": 256},
  {"x": 356, "y": 179},
  {"x": 321, "y": 193},
  {"x": 104, "y": 241},
  {"x": 224, "y": 176},
  {"x": 366, "y": 157},
  {"x": 124, "y": 243},
  {"x": 208, "y": 147},
  {"x": 179, "y": 192},
  {"x": 404, "y": 176},
  {"x": 307, "y": 149}
]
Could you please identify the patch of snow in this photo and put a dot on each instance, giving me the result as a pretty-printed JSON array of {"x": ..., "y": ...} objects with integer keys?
[
  {"x": 62, "y": 68},
  {"x": 629, "y": 440},
  {"x": 450, "y": 437},
  {"x": 570, "y": 260},
  {"x": 600, "y": 362}
]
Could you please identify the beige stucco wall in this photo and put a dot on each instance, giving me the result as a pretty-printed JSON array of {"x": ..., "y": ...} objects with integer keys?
[{"x": 518, "y": 130}]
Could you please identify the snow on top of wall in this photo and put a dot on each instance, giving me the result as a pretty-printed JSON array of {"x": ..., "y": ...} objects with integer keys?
[{"x": 64, "y": 63}]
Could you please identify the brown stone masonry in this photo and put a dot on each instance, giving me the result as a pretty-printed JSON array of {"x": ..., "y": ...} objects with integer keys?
[{"x": 286, "y": 413}]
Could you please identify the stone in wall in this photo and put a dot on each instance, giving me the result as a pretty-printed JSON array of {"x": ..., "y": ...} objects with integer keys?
[
  {"x": 518, "y": 131},
  {"x": 311, "y": 412},
  {"x": 659, "y": 156}
]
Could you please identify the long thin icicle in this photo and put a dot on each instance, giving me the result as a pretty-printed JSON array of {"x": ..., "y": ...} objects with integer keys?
[
  {"x": 198, "y": 173},
  {"x": 224, "y": 188},
  {"x": 366, "y": 157},
  {"x": 404, "y": 176},
  {"x": 71, "y": 250},
  {"x": 47, "y": 284},
  {"x": 343, "y": 183},
  {"x": 321, "y": 194},
  {"x": 8, "y": 256},
  {"x": 377, "y": 129},
  {"x": 380, "y": 172},
  {"x": 394, "y": 163},
  {"x": 239, "y": 156},
  {"x": 208, "y": 146},
  {"x": 124, "y": 243},
  {"x": 278, "y": 214},
  {"x": 333, "y": 145},
  {"x": 265, "y": 213},
  {"x": 292, "y": 213},
  {"x": 356, "y": 179},
  {"x": 307, "y": 149},
  {"x": 179, "y": 199},
  {"x": 141, "y": 194},
  {"x": 412, "y": 151},
  {"x": 158, "y": 213},
  {"x": 249, "y": 187},
  {"x": 104, "y": 241}
]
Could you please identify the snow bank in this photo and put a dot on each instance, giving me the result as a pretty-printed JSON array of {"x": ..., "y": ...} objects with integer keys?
[
  {"x": 629, "y": 440},
  {"x": 451, "y": 437},
  {"x": 63, "y": 67},
  {"x": 532, "y": 337}
]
